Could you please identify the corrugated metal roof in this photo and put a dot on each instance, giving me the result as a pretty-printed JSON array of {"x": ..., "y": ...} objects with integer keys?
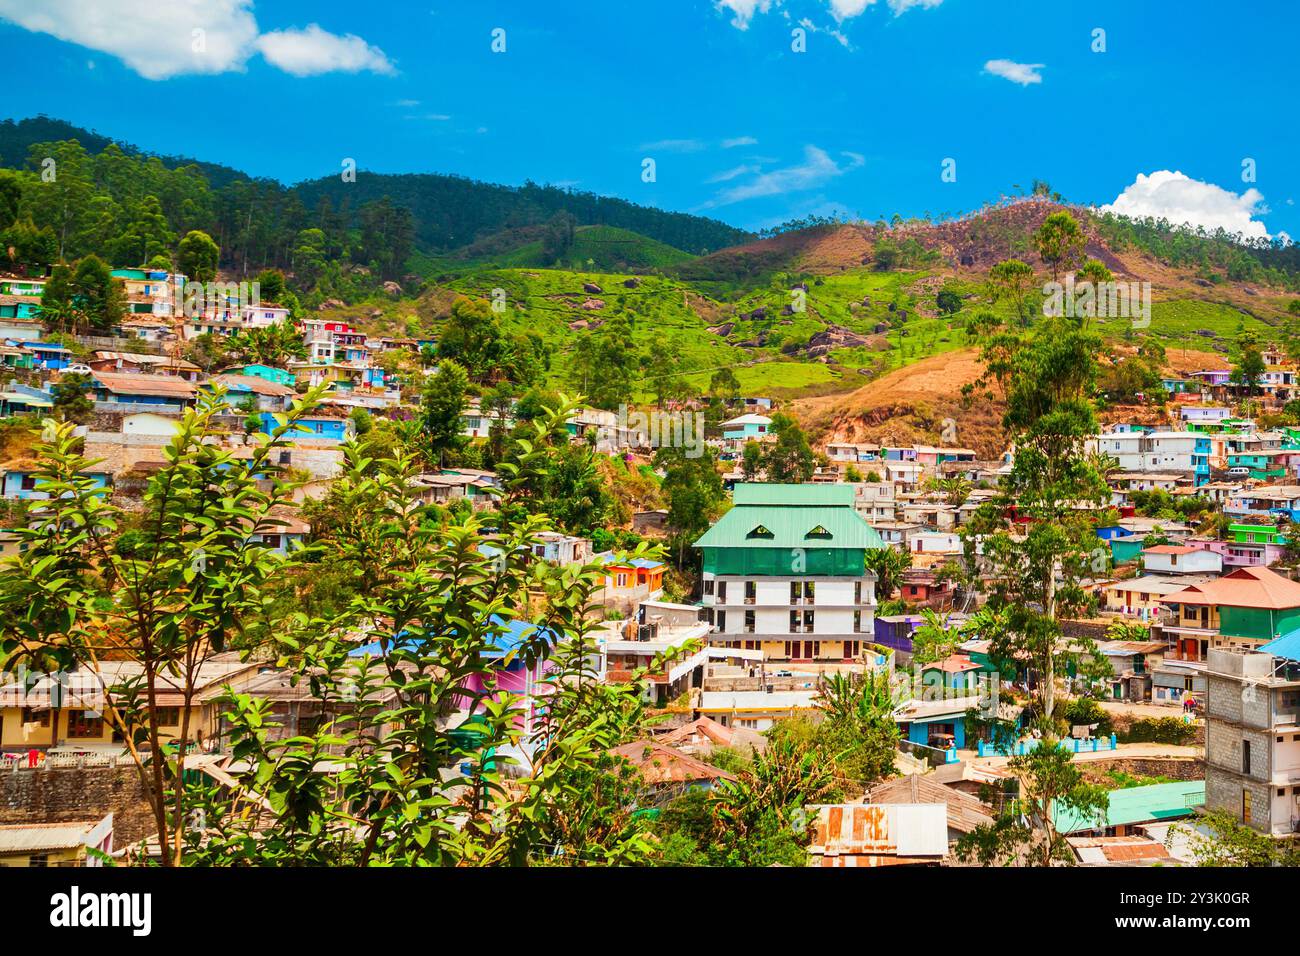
[
  {"x": 122, "y": 383},
  {"x": 253, "y": 383},
  {"x": 660, "y": 764},
  {"x": 965, "y": 812},
  {"x": 907, "y": 830},
  {"x": 29, "y": 837}
]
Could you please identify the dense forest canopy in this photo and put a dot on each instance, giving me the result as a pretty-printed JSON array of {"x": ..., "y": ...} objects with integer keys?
[
  {"x": 260, "y": 223},
  {"x": 453, "y": 211}
]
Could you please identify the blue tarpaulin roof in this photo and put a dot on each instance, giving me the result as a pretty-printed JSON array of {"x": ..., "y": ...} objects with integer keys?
[
  {"x": 513, "y": 634},
  {"x": 1288, "y": 646}
]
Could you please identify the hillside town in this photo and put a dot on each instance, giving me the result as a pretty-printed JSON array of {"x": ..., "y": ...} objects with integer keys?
[
  {"x": 567, "y": 451},
  {"x": 790, "y": 594}
]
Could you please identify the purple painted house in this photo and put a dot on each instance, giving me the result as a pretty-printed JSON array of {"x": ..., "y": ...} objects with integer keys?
[
  {"x": 513, "y": 677},
  {"x": 895, "y": 631}
]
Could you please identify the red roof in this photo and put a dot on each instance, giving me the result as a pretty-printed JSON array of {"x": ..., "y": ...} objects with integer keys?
[
  {"x": 954, "y": 664},
  {"x": 1244, "y": 587},
  {"x": 1170, "y": 549},
  {"x": 662, "y": 765}
]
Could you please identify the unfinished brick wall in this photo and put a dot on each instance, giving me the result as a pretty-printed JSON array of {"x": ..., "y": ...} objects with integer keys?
[{"x": 78, "y": 793}]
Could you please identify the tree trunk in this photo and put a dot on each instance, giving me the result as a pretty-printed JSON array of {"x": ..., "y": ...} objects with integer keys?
[{"x": 1049, "y": 657}]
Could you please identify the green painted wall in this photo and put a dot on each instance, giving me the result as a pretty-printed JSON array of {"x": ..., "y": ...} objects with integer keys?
[
  {"x": 1256, "y": 623},
  {"x": 785, "y": 561}
]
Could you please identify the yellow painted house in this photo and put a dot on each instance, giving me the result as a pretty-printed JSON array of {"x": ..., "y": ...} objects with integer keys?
[
  {"x": 66, "y": 713},
  {"x": 55, "y": 844}
]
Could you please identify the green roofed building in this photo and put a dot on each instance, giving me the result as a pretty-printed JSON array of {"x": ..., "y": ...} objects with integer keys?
[
  {"x": 785, "y": 573},
  {"x": 1130, "y": 806}
]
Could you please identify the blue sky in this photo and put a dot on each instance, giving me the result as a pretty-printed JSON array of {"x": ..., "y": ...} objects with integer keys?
[{"x": 740, "y": 126}]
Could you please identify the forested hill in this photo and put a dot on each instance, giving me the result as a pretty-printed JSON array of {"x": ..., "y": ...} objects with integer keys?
[
  {"x": 18, "y": 136},
  {"x": 452, "y": 211},
  {"x": 449, "y": 212}
]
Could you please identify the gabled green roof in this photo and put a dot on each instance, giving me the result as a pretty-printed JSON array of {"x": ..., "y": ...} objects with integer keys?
[
  {"x": 757, "y": 493},
  {"x": 792, "y": 516}
]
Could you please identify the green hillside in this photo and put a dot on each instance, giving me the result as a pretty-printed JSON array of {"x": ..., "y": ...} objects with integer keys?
[
  {"x": 600, "y": 248},
  {"x": 792, "y": 337},
  {"x": 804, "y": 311}
]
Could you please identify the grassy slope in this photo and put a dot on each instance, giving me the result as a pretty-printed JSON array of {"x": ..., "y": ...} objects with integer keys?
[
  {"x": 665, "y": 310},
  {"x": 687, "y": 305}
]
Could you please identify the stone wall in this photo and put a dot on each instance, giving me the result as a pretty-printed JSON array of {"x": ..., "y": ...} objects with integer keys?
[
  {"x": 75, "y": 794},
  {"x": 1179, "y": 768}
]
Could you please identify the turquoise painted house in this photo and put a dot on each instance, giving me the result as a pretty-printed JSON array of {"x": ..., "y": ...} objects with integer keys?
[
  {"x": 277, "y": 375},
  {"x": 954, "y": 673},
  {"x": 1127, "y": 548},
  {"x": 50, "y": 355},
  {"x": 746, "y": 427}
]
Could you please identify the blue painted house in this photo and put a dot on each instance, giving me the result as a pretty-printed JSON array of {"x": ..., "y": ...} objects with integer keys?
[
  {"x": 20, "y": 482},
  {"x": 20, "y": 399},
  {"x": 931, "y": 723},
  {"x": 50, "y": 356},
  {"x": 162, "y": 391},
  {"x": 317, "y": 427}
]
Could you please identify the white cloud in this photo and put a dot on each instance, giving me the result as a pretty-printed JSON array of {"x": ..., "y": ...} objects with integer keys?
[
  {"x": 673, "y": 146},
  {"x": 729, "y": 174},
  {"x": 843, "y": 10},
  {"x": 1181, "y": 199},
  {"x": 1022, "y": 73},
  {"x": 162, "y": 40},
  {"x": 817, "y": 168},
  {"x": 313, "y": 51},
  {"x": 157, "y": 40},
  {"x": 847, "y": 9},
  {"x": 739, "y": 141},
  {"x": 743, "y": 11},
  {"x": 902, "y": 6}
]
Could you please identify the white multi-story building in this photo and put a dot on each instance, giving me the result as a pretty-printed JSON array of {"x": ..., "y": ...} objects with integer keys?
[
  {"x": 1162, "y": 451},
  {"x": 784, "y": 573}
]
